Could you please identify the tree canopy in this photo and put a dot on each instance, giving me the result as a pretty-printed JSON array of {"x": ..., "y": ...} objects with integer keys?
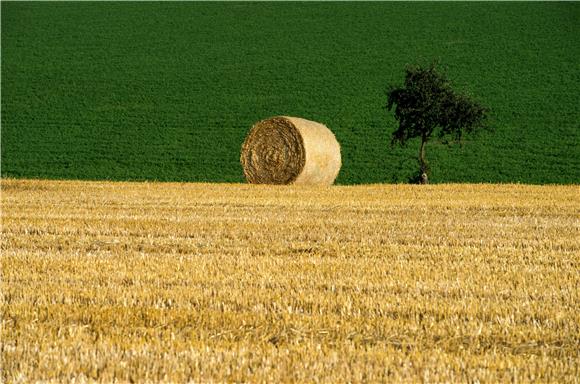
[{"x": 427, "y": 105}]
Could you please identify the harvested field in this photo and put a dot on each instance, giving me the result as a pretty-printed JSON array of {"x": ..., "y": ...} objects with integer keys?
[{"x": 215, "y": 282}]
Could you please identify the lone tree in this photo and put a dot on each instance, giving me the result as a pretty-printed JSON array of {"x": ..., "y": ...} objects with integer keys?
[{"x": 426, "y": 105}]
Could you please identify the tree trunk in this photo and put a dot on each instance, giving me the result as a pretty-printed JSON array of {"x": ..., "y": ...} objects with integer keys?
[{"x": 423, "y": 162}]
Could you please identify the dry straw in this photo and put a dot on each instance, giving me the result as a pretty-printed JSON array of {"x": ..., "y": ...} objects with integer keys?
[{"x": 290, "y": 150}]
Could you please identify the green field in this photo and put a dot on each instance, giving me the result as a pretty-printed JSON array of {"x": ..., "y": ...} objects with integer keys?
[{"x": 168, "y": 91}]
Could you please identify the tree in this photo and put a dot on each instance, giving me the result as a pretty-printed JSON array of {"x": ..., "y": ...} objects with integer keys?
[{"x": 426, "y": 105}]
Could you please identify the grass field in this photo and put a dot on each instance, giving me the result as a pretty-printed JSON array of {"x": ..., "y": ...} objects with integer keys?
[
  {"x": 167, "y": 91},
  {"x": 213, "y": 282}
]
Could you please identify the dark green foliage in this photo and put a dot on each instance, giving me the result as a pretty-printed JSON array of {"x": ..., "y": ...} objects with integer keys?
[
  {"x": 168, "y": 90},
  {"x": 427, "y": 103}
]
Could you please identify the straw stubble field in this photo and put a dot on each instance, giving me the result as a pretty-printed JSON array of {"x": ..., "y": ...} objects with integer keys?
[{"x": 208, "y": 282}]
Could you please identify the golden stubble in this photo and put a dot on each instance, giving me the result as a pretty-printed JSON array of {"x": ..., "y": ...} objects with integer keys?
[{"x": 170, "y": 282}]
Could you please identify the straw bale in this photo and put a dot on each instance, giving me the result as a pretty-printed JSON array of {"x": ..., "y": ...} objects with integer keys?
[{"x": 290, "y": 150}]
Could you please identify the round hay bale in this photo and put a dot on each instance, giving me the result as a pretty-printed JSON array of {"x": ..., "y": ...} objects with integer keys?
[{"x": 290, "y": 150}]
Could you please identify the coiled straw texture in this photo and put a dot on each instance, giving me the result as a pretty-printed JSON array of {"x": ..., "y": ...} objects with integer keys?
[{"x": 290, "y": 150}]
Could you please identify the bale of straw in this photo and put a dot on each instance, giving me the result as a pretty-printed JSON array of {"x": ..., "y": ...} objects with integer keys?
[{"x": 290, "y": 150}]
